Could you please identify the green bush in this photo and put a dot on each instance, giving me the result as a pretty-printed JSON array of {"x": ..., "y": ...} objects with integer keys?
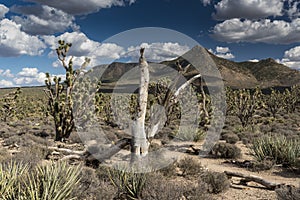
[
  {"x": 231, "y": 138},
  {"x": 190, "y": 167},
  {"x": 216, "y": 182},
  {"x": 225, "y": 150},
  {"x": 278, "y": 148}
]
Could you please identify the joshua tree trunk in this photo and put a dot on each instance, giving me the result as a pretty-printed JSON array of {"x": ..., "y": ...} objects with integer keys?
[{"x": 140, "y": 142}]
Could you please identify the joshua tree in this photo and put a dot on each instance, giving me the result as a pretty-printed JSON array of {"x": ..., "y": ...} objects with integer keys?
[
  {"x": 60, "y": 103},
  {"x": 141, "y": 135},
  {"x": 274, "y": 102},
  {"x": 9, "y": 104},
  {"x": 243, "y": 104}
]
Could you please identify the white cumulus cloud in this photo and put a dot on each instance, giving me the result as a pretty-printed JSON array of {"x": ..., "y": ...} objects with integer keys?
[
  {"x": 79, "y": 7},
  {"x": 5, "y": 83},
  {"x": 248, "y": 9},
  {"x": 3, "y": 11},
  {"x": 157, "y": 52},
  {"x": 222, "y": 52},
  {"x": 14, "y": 42},
  {"x": 82, "y": 47},
  {"x": 266, "y": 30},
  {"x": 253, "y": 60},
  {"x": 43, "y": 20},
  {"x": 222, "y": 49},
  {"x": 7, "y": 73},
  {"x": 291, "y": 58},
  {"x": 28, "y": 72},
  {"x": 293, "y": 10},
  {"x": 30, "y": 76}
]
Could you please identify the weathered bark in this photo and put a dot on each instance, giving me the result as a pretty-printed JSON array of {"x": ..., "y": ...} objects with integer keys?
[
  {"x": 140, "y": 143},
  {"x": 157, "y": 119},
  {"x": 86, "y": 155},
  {"x": 187, "y": 83},
  {"x": 248, "y": 178},
  {"x": 121, "y": 144}
]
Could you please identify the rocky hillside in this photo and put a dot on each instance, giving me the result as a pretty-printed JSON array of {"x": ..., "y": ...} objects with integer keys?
[{"x": 265, "y": 73}]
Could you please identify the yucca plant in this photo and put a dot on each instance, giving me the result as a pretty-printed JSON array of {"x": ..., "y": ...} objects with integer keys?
[
  {"x": 11, "y": 175},
  {"x": 52, "y": 182},
  {"x": 128, "y": 182},
  {"x": 280, "y": 149},
  {"x": 49, "y": 182}
]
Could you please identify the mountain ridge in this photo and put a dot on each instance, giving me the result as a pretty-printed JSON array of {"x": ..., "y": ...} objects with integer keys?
[{"x": 265, "y": 73}]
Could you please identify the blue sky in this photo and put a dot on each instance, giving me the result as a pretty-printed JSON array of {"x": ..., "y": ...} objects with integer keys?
[{"x": 239, "y": 30}]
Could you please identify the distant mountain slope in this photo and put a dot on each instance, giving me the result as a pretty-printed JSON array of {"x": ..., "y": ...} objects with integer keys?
[{"x": 265, "y": 73}]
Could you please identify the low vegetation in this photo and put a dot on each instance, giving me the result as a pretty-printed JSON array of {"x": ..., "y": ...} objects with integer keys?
[{"x": 276, "y": 148}]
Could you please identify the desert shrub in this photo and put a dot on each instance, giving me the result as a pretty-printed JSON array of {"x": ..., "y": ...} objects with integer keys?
[
  {"x": 31, "y": 155},
  {"x": 216, "y": 182},
  {"x": 225, "y": 150},
  {"x": 190, "y": 166},
  {"x": 91, "y": 186},
  {"x": 231, "y": 138},
  {"x": 262, "y": 165},
  {"x": 189, "y": 133},
  {"x": 170, "y": 170},
  {"x": 4, "y": 154},
  {"x": 277, "y": 148},
  {"x": 159, "y": 187},
  {"x": 128, "y": 183},
  {"x": 288, "y": 193},
  {"x": 25, "y": 140},
  {"x": 103, "y": 173}
]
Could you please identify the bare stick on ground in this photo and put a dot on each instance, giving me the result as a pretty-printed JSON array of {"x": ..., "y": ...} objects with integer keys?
[{"x": 257, "y": 179}]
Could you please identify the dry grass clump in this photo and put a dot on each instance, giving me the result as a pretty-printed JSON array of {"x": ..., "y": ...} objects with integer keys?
[{"x": 159, "y": 187}]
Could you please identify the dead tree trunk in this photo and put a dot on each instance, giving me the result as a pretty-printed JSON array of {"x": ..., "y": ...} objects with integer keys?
[
  {"x": 140, "y": 143},
  {"x": 140, "y": 135}
]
